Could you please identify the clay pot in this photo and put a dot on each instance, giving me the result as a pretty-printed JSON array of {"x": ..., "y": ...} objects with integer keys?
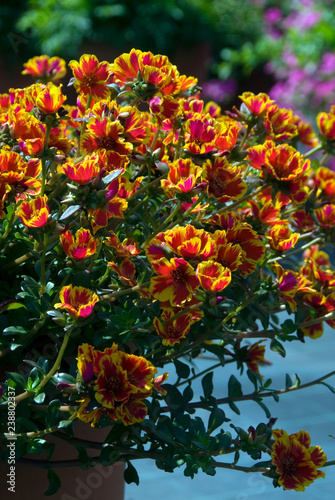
[{"x": 95, "y": 483}]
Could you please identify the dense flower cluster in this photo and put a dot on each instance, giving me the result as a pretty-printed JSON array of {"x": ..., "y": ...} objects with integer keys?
[{"x": 155, "y": 227}]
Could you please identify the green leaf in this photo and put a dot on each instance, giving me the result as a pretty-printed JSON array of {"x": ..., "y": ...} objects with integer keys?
[
  {"x": 110, "y": 177},
  {"x": 276, "y": 346},
  {"x": 264, "y": 407},
  {"x": 183, "y": 370},
  {"x": 15, "y": 330},
  {"x": 207, "y": 385},
  {"x": 253, "y": 378},
  {"x": 17, "y": 378},
  {"x": 52, "y": 413},
  {"x": 216, "y": 418},
  {"x": 234, "y": 387},
  {"x": 70, "y": 211},
  {"x": 64, "y": 423},
  {"x": 54, "y": 483},
  {"x": 234, "y": 407},
  {"x": 288, "y": 327},
  {"x": 288, "y": 381},
  {"x": 8, "y": 305},
  {"x": 330, "y": 387},
  {"x": 130, "y": 474}
]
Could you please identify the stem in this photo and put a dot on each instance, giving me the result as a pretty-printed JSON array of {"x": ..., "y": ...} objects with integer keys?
[
  {"x": 53, "y": 370},
  {"x": 10, "y": 224},
  {"x": 167, "y": 220},
  {"x": 312, "y": 151},
  {"x": 126, "y": 291},
  {"x": 83, "y": 125},
  {"x": 44, "y": 250},
  {"x": 147, "y": 186},
  {"x": 253, "y": 395},
  {"x": 49, "y": 430},
  {"x": 221, "y": 465}
]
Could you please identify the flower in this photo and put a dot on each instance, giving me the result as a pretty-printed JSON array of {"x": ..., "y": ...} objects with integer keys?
[
  {"x": 49, "y": 98},
  {"x": 80, "y": 247},
  {"x": 77, "y": 301},
  {"x": 34, "y": 213},
  {"x": 296, "y": 462},
  {"x": 45, "y": 67},
  {"x": 91, "y": 76},
  {"x": 176, "y": 281}
]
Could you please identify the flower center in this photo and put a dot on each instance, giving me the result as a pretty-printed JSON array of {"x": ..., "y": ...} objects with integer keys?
[
  {"x": 217, "y": 186},
  {"x": 289, "y": 466},
  {"x": 113, "y": 385},
  {"x": 178, "y": 276},
  {"x": 106, "y": 143}
]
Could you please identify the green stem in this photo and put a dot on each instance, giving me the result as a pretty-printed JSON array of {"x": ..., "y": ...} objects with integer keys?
[
  {"x": 53, "y": 370},
  {"x": 221, "y": 465},
  {"x": 312, "y": 151},
  {"x": 10, "y": 224},
  {"x": 44, "y": 250},
  {"x": 162, "y": 226},
  {"x": 126, "y": 291},
  {"x": 147, "y": 186}
]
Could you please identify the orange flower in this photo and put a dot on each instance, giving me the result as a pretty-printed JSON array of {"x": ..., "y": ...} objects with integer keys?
[
  {"x": 49, "y": 98},
  {"x": 224, "y": 180},
  {"x": 140, "y": 371},
  {"x": 176, "y": 281},
  {"x": 45, "y": 68},
  {"x": 213, "y": 276},
  {"x": 34, "y": 213},
  {"x": 80, "y": 247},
  {"x": 289, "y": 283},
  {"x": 256, "y": 104},
  {"x": 280, "y": 237},
  {"x": 91, "y": 77},
  {"x": 296, "y": 462},
  {"x": 175, "y": 330},
  {"x": 77, "y": 301},
  {"x": 99, "y": 217}
]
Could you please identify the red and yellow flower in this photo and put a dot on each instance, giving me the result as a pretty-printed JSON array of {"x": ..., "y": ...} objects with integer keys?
[
  {"x": 213, "y": 277},
  {"x": 81, "y": 172},
  {"x": 49, "y": 98},
  {"x": 326, "y": 123},
  {"x": 182, "y": 177},
  {"x": 326, "y": 216},
  {"x": 281, "y": 238},
  {"x": 34, "y": 213},
  {"x": 297, "y": 463},
  {"x": 256, "y": 104},
  {"x": 81, "y": 246},
  {"x": 77, "y": 301},
  {"x": 91, "y": 76},
  {"x": 173, "y": 330},
  {"x": 224, "y": 181},
  {"x": 279, "y": 123},
  {"x": 45, "y": 68},
  {"x": 176, "y": 281}
]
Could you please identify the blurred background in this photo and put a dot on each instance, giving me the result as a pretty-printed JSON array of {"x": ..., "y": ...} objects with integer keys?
[{"x": 284, "y": 48}]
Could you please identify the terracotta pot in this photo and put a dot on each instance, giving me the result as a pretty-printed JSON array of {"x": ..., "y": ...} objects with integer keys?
[{"x": 95, "y": 483}]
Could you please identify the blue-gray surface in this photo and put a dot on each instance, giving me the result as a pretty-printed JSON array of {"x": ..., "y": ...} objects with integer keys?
[{"x": 311, "y": 409}]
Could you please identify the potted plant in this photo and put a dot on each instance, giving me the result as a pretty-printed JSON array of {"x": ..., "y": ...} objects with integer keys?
[{"x": 140, "y": 229}]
